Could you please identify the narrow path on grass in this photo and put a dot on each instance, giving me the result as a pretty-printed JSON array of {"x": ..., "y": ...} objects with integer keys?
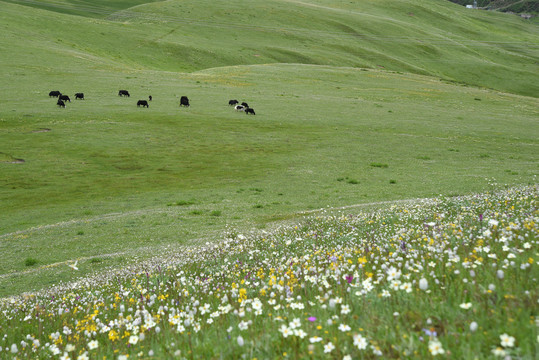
[{"x": 155, "y": 211}]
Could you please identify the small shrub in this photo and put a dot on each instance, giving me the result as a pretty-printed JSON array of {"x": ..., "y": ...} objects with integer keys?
[
  {"x": 379, "y": 165},
  {"x": 392, "y": 181},
  {"x": 216, "y": 213},
  {"x": 353, "y": 181},
  {"x": 182, "y": 203},
  {"x": 96, "y": 260},
  {"x": 80, "y": 232},
  {"x": 30, "y": 261}
]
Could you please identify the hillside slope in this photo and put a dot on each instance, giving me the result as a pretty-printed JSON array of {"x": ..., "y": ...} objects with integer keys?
[{"x": 435, "y": 38}]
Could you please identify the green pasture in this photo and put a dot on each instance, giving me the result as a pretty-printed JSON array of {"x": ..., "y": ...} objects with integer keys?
[{"x": 341, "y": 120}]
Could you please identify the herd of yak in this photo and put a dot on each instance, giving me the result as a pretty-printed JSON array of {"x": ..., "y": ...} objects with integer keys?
[{"x": 184, "y": 101}]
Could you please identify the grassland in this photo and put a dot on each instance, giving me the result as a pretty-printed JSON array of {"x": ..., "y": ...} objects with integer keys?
[{"x": 356, "y": 103}]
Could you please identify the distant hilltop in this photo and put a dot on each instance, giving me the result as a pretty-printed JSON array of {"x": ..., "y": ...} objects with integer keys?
[{"x": 524, "y": 7}]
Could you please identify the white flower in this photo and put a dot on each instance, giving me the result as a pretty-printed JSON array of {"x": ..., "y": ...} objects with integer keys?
[
  {"x": 53, "y": 348},
  {"x": 70, "y": 347},
  {"x": 407, "y": 287},
  {"x": 14, "y": 349},
  {"x": 285, "y": 330},
  {"x": 83, "y": 356},
  {"x": 329, "y": 347},
  {"x": 344, "y": 328},
  {"x": 347, "y": 357},
  {"x": 315, "y": 339},
  {"x": 499, "y": 274},
  {"x": 243, "y": 325},
  {"x": 386, "y": 293},
  {"x": 93, "y": 345},
  {"x": 300, "y": 333},
  {"x": 296, "y": 323},
  {"x": 498, "y": 352},
  {"x": 345, "y": 309},
  {"x": 393, "y": 274},
  {"x": 435, "y": 347},
  {"x": 360, "y": 342},
  {"x": 65, "y": 356},
  {"x": 240, "y": 340},
  {"x": 473, "y": 326},
  {"x": 507, "y": 341},
  {"x": 423, "y": 284},
  {"x": 133, "y": 339},
  {"x": 466, "y": 306}
]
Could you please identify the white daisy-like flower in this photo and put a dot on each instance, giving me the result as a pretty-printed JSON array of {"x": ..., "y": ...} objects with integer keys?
[
  {"x": 507, "y": 341},
  {"x": 329, "y": 347},
  {"x": 435, "y": 347}
]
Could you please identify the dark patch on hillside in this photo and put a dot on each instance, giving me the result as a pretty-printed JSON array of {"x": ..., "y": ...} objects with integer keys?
[{"x": 86, "y": 8}]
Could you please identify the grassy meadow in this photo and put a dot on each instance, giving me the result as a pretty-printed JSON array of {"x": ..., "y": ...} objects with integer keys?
[{"x": 358, "y": 105}]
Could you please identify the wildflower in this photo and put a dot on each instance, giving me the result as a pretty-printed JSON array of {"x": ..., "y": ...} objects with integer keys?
[
  {"x": 360, "y": 342},
  {"x": 93, "y": 345},
  {"x": 312, "y": 319},
  {"x": 70, "y": 347},
  {"x": 243, "y": 325},
  {"x": 407, "y": 287},
  {"x": 466, "y": 306},
  {"x": 133, "y": 339},
  {"x": 296, "y": 323},
  {"x": 473, "y": 326},
  {"x": 83, "y": 356},
  {"x": 122, "y": 357},
  {"x": 423, "y": 284},
  {"x": 435, "y": 347},
  {"x": 500, "y": 274},
  {"x": 386, "y": 293},
  {"x": 14, "y": 349},
  {"x": 498, "y": 352},
  {"x": 507, "y": 341},
  {"x": 240, "y": 340},
  {"x": 285, "y": 330},
  {"x": 344, "y": 328},
  {"x": 315, "y": 339},
  {"x": 300, "y": 333},
  {"x": 347, "y": 357},
  {"x": 65, "y": 356},
  {"x": 329, "y": 347},
  {"x": 345, "y": 309}
]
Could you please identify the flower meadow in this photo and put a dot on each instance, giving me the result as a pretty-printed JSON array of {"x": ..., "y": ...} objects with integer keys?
[{"x": 435, "y": 278}]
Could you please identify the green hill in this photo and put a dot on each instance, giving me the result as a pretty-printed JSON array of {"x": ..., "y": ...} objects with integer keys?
[{"x": 355, "y": 103}]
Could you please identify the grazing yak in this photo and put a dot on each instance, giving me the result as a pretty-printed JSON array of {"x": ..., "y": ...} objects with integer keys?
[
  {"x": 245, "y": 104},
  {"x": 65, "y": 98},
  {"x": 233, "y": 102},
  {"x": 79, "y": 96},
  {"x": 150, "y": 97},
  {"x": 60, "y": 103},
  {"x": 123, "y": 93},
  {"x": 144, "y": 103},
  {"x": 250, "y": 111},
  {"x": 184, "y": 101},
  {"x": 239, "y": 108},
  {"x": 55, "y": 93}
]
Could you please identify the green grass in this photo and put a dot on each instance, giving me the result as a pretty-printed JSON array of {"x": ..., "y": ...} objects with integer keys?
[
  {"x": 336, "y": 88},
  {"x": 438, "y": 278}
]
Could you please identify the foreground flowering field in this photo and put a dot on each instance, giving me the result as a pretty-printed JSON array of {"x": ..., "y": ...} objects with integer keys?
[{"x": 438, "y": 278}]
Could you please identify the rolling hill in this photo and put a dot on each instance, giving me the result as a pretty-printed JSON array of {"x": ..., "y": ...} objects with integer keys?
[{"x": 356, "y": 103}]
